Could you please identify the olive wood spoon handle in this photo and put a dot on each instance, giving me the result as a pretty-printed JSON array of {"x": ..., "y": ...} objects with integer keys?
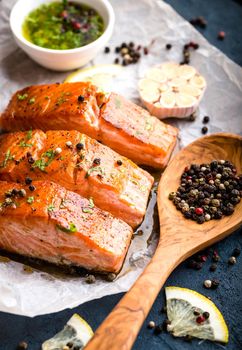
[
  {"x": 179, "y": 239},
  {"x": 120, "y": 328}
]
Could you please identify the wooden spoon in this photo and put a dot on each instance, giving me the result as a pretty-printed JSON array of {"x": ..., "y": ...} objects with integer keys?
[{"x": 179, "y": 239}]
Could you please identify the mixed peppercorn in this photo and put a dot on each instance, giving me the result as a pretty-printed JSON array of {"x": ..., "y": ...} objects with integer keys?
[
  {"x": 129, "y": 53},
  {"x": 208, "y": 191}
]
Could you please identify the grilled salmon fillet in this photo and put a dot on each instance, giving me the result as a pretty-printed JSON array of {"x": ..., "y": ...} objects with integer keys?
[
  {"x": 111, "y": 119},
  {"x": 59, "y": 226},
  {"x": 80, "y": 164}
]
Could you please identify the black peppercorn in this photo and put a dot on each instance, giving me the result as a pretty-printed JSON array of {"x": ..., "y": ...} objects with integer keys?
[
  {"x": 158, "y": 329},
  {"x": 97, "y": 161},
  {"x": 81, "y": 98},
  {"x": 28, "y": 180},
  {"x": 215, "y": 284},
  {"x": 79, "y": 146},
  {"x": 117, "y": 49},
  {"x": 206, "y": 315},
  {"x": 31, "y": 160},
  {"x": 116, "y": 61},
  {"x": 31, "y": 187},
  {"x": 205, "y": 119},
  {"x": 22, "y": 345},
  {"x": 107, "y": 49},
  {"x": 168, "y": 46},
  {"x": 204, "y": 130},
  {"x": 119, "y": 162}
]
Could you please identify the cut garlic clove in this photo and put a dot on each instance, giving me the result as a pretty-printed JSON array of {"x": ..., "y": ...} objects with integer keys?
[
  {"x": 198, "y": 81},
  {"x": 183, "y": 100},
  {"x": 147, "y": 84},
  {"x": 164, "y": 87},
  {"x": 156, "y": 74},
  {"x": 189, "y": 89},
  {"x": 168, "y": 99},
  {"x": 186, "y": 72},
  {"x": 176, "y": 82}
]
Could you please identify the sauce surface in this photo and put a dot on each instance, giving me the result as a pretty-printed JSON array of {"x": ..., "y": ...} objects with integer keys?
[{"x": 63, "y": 25}]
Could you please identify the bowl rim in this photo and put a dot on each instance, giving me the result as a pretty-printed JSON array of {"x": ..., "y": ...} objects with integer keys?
[{"x": 108, "y": 29}]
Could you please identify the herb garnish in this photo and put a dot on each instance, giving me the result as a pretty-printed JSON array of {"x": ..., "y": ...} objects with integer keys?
[
  {"x": 24, "y": 144},
  {"x": 8, "y": 156},
  {"x": 31, "y": 101},
  {"x": 71, "y": 229},
  {"x": 22, "y": 97},
  {"x": 95, "y": 168},
  {"x": 30, "y": 200},
  {"x": 42, "y": 163},
  {"x": 89, "y": 208},
  {"x": 29, "y": 134},
  {"x": 51, "y": 207}
]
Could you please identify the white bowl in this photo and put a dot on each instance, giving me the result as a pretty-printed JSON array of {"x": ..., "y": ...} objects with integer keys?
[{"x": 61, "y": 60}]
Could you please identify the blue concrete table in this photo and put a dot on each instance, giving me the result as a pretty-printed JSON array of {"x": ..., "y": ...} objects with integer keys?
[{"x": 221, "y": 15}]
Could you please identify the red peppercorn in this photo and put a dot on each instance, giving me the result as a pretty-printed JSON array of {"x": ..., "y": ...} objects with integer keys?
[
  {"x": 186, "y": 169},
  {"x": 221, "y": 35},
  {"x": 200, "y": 319},
  {"x": 203, "y": 258},
  {"x": 199, "y": 211},
  {"x": 188, "y": 178},
  {"x": 76, "y": 25}
]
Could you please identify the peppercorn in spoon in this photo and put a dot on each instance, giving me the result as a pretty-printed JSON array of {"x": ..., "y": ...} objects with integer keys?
[{"x": 179, "y": 239}]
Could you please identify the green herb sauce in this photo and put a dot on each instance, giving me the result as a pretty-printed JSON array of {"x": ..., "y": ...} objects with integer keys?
[{"x": 62, "y": 26}]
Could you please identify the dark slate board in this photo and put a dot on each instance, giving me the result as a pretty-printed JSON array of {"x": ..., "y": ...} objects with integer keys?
[{"x": 221, "y": 15}]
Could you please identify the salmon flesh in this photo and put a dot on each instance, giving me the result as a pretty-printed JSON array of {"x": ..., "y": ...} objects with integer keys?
[
  {"x": 80, "y": 164},
  {"x": 111, "y": 119},
  {"x": 61, "y": 227}
]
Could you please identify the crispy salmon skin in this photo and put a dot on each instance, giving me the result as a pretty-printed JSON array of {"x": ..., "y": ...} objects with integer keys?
[
  {"x": 80, "y": 164},
  {"x": 59, "y": 226},
  {"x": 111, "y": 119}
]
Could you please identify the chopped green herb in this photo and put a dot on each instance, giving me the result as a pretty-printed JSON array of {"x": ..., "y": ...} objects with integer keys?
[
  {"x": 62, "y": 158},
  {"x": 30, "y": 200},
  {"x": 31, "y": 101},
  {"x": 47, "y": 98},
  {"x": 8, "y": 156},
  {"x": 93, "y": 169},
  {"x": 51, "y": 207},
  {"x": 24, "y": 144},
  {"x": 118, "y": 103},
  {"x": 71, "y": 229},
  {"x": 29, "y": 135},
  {"x": 42, "y": 163},
  {"x": 91, "y": 203},
  {"x": 87, "y": 210},
  {"x": 22, "y": 97}
]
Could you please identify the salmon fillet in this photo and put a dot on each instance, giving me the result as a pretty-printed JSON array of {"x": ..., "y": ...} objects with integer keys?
[
  {"x": 80, "y": 164},
  {"x": 111, "y": 119},
  {"x": 61, "y": 227}
]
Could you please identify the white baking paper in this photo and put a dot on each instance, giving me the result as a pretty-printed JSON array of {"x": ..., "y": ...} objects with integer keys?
[{"x": 140, "y": 21}]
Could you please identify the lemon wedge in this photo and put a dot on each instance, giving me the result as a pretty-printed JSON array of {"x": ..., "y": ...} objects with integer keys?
[
  {"x": 184, "y": 306},
  {"x": 76, "y": 333},
  {"x": 100, "y": 75}
]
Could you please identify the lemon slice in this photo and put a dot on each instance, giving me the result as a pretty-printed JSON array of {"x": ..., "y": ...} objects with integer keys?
[
  {"x": 181, "y": 304},
  {"x": 100, "y": 75},
  {"x": 77, "y": 332}
]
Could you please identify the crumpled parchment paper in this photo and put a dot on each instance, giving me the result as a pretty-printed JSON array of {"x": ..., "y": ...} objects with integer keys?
[{"x": 143, "y": 21}]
